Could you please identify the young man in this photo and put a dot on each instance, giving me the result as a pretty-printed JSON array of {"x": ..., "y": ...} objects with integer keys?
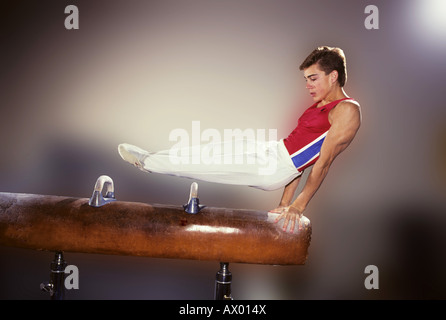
[
  {"x": 325, "y": 74},
  {"x": 323, "y": 131}
]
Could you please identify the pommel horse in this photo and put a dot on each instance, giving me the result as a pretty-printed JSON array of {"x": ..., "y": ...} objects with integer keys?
[{"x": 103, "y": 225}]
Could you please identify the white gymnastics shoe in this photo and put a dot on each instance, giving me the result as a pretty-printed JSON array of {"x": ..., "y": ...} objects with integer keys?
[{"x": 133, "y": 155}]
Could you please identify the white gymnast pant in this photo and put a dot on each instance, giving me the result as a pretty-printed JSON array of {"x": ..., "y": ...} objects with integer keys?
[{"x": 264, "y": 165}]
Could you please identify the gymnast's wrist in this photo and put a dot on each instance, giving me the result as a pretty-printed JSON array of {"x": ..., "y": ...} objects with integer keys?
[
  {"x": 284, "y": 204},
  {"x": 297, "y": 207}
]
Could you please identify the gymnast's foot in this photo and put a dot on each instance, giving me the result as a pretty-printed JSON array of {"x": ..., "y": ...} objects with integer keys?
[{"x": 133, "y": 155}]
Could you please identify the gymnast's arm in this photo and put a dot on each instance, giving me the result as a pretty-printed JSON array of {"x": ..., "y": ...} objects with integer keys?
[{"x": 345, "y": 122}]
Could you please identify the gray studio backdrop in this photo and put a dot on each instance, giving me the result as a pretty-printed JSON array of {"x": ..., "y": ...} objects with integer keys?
[{"x": 135, "y": 71}]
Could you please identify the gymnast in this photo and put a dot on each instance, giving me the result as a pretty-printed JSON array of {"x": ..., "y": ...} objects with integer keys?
[{"x": 323, "y": 131}]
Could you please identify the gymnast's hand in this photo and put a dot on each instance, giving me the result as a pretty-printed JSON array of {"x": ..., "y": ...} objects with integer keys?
[{"x": 288, "y": 213}]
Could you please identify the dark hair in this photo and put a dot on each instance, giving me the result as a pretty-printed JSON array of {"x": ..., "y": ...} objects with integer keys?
[{"x": 328, "y": 59}]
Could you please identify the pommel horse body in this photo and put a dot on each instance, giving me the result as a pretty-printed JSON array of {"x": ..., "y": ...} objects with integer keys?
[{"x": 103, "y": 225}]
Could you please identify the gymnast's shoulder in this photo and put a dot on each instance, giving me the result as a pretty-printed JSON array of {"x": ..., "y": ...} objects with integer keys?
[{"x": 347, "y": 108}]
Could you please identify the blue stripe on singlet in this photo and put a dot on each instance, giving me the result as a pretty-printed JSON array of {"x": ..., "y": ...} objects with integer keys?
[{"x": 305, "y": 156}]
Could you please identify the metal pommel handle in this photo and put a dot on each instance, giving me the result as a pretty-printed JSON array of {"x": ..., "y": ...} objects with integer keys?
[
  {"x": 193, "y": 206},
  {"x": 193, "y": 190},
  {"x": 97, "y": 199}
]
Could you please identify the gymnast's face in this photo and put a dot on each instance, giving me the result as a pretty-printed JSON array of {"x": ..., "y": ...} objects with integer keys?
[{"x": 319, "y": 84}]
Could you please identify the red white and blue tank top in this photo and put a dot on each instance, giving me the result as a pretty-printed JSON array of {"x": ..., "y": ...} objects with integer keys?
[{"x": 305, "y": 141}]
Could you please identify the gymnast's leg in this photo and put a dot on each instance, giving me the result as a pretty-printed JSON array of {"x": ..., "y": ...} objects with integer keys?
[{"x": 259, "y": 164}]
